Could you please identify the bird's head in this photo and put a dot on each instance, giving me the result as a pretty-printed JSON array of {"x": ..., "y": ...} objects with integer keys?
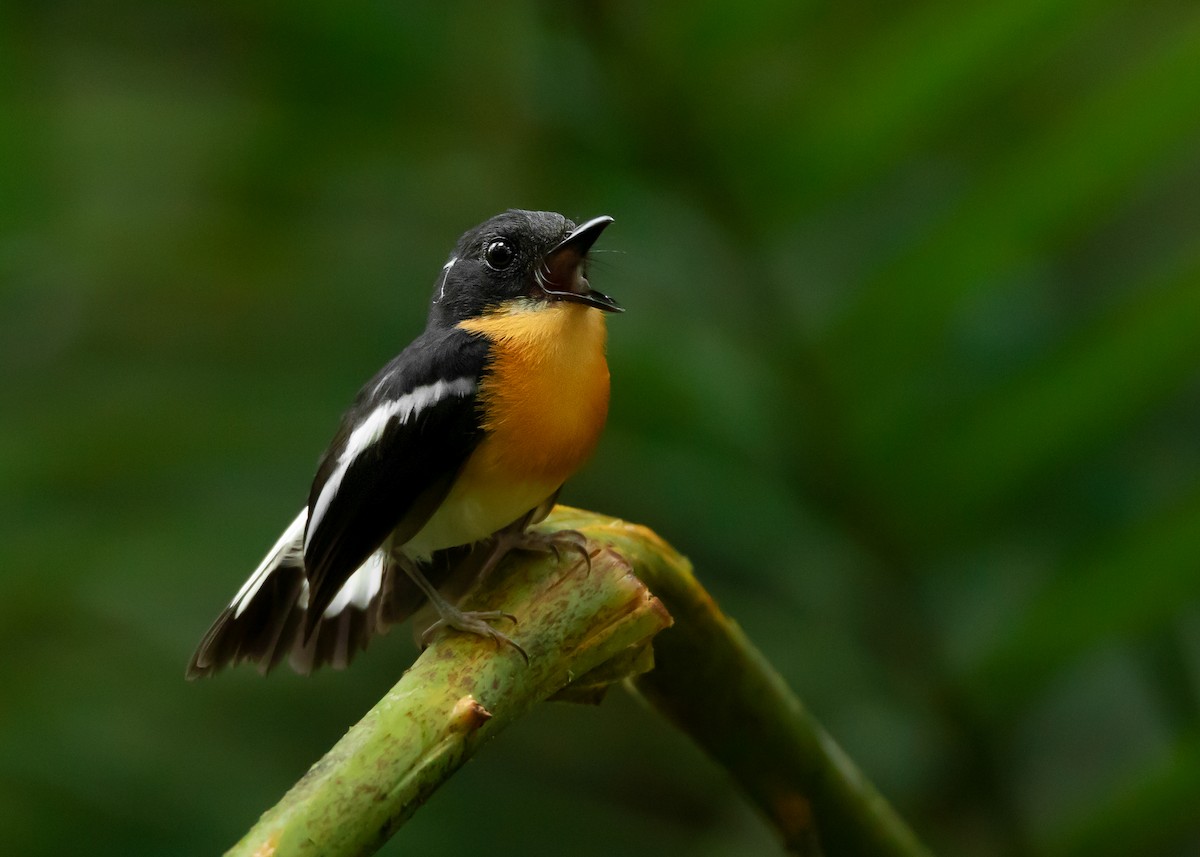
[{"x": 519, "y": 259}]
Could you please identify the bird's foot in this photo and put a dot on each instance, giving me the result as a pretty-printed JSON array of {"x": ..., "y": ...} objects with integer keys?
[
  {"x": 476, "y": 622},
  {"x": 518, "y": 538}
]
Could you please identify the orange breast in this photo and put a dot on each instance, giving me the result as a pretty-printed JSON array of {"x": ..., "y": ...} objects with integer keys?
[{"x": 545, "y": 397}]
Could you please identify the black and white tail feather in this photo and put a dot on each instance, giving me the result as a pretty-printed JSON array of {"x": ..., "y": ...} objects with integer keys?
[{"x": 265, "y": 621}]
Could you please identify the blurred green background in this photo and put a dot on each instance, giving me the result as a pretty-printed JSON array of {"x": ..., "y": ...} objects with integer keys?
[{"x": 911, "y": 370}]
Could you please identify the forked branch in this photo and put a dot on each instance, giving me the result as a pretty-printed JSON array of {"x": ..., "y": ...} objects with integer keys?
[{"x": 585, "y": 630}]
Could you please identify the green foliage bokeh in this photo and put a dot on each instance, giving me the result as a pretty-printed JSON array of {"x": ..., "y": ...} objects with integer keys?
[{"x": 910, "y": 369}]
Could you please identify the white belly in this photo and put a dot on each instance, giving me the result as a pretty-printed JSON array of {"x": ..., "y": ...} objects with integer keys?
[{"x": 467, "y": 516}]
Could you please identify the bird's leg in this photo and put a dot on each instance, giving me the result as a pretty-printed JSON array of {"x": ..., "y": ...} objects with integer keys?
[
  {"x": 516, "y": 536},
  {"x": 449, "y": 616}
]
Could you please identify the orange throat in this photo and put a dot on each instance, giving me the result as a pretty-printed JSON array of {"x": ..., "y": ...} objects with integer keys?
[{"x": 545, "y": 397}]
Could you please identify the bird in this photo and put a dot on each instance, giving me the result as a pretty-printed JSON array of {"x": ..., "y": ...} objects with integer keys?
[{"x": 464, "y": 438}]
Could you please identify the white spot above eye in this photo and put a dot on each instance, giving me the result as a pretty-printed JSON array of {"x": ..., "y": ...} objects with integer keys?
[
  {"x": 370, "y": 430},
  {"x": 446, "y": 276}
]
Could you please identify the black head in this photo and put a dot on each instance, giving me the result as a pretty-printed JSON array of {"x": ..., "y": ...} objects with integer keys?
[{"x": 518, "y": 256}]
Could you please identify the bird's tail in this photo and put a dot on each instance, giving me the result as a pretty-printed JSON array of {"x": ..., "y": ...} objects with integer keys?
[{"x": 265, "y": 621}]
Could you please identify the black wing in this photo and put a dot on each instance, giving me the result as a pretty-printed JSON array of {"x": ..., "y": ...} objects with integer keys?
[{"x": 393, "y": 459}]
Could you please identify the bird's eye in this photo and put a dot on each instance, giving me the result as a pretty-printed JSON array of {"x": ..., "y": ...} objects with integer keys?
[{"x": 499, "y": 255}]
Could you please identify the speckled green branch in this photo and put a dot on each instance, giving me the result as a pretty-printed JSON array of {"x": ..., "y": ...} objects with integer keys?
[{"x": 584, "y": 630}]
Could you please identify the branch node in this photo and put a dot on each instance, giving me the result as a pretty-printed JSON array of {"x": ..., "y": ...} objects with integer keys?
[{"x": 468, "y": 715}]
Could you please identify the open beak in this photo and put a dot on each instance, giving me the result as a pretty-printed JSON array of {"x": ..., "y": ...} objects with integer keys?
[{"x": 562, "y": 268}]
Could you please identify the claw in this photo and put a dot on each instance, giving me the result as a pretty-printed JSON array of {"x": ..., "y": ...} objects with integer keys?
[
  {"x": 572, "y": 540},
  {"x": 449, "y": 616},
  {"x": 474, "y": 622}
]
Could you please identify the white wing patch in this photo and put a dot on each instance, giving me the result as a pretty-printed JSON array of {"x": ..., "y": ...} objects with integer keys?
[
  {"x": 360, "y": 587},
  {"x": 357, "y": 591},
  {"x": 287, "y": 547},
  {"x": 369, "y": 431}
]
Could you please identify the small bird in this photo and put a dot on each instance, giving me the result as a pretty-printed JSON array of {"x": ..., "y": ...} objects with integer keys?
[{"x": 467, "y": 435}]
